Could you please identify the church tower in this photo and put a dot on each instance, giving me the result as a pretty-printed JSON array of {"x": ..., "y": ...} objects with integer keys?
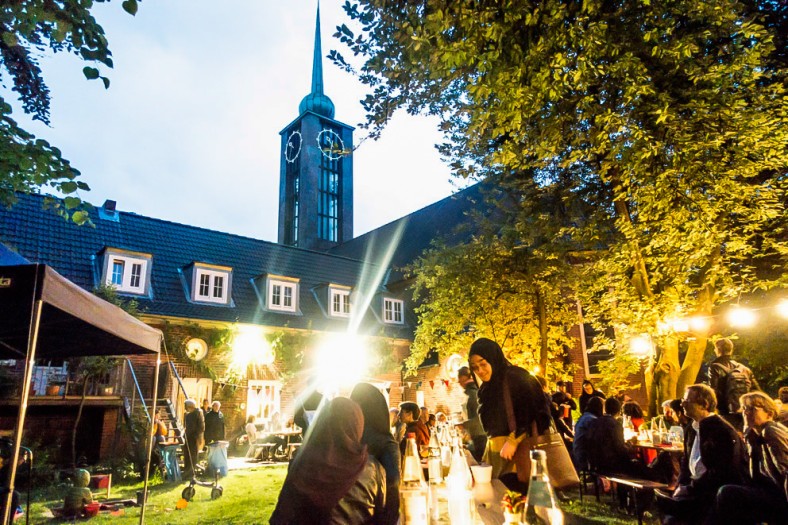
[{"x": 316, "y": 170}]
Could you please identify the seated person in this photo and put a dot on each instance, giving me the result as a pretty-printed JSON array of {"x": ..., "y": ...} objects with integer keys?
[
  {"x": 667, "y": 418},
  {"x": 409, "y": 413},
  {"x": 764, "y": 496},
  {"x": 79, "y": 495},
  {"x": 713, "y": 456},
  {"x": 251, "y": 435},
  {"x": 280, "y": 442},
  {"x": 581, "y": 443}
]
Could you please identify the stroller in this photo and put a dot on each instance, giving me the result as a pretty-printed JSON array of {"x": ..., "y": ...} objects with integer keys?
[{"x": 216, "y": 467}]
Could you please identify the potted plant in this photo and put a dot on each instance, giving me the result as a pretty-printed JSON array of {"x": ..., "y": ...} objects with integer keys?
[{"x": 512, "y": 504}]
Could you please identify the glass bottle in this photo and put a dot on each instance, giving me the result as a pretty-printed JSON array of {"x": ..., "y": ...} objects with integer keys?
[
  {"x": 540, "y": 506},
  {"x": 413, "y": 491},
  {"x": 434, "y": 460}
]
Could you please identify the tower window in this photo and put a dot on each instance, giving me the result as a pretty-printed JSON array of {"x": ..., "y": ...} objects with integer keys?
[
  {"x": 292, "y": 190},
  {"x": 329, "y": 184}
]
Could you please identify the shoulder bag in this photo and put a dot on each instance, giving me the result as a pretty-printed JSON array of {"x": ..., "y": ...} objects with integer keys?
[{"x": 559, "y": 464}]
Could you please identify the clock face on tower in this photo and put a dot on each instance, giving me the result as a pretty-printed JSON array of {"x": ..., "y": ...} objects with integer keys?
[
  {"x": 293, "y": 148},
  {"x": 330, "y": 144}
]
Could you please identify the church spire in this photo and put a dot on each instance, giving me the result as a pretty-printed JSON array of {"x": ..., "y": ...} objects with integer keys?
[{"x": 317, "y": 101}]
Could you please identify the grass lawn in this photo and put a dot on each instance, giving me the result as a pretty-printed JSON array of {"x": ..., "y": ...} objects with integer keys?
[{"x": 249, "y": 498}]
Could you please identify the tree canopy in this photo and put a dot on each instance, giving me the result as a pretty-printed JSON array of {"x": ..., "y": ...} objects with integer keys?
[
  {"x": 27, "y": 29},
  {"x": 656, "y": 131}
]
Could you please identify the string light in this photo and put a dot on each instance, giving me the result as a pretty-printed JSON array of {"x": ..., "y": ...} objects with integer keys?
[
  {"x": 782, "y": 308},
  {"x": 739, "y": 317}
]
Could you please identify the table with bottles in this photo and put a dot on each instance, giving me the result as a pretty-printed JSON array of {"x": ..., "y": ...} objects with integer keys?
[{"x": 453, "y": 497}]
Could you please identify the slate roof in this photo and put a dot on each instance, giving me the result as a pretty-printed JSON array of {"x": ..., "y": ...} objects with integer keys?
[
  {"x": 438, "y": 220},
  {"x": 40, "y": 235}
]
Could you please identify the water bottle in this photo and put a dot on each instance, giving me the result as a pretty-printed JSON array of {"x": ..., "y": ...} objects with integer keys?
[
  {"x": 434, "y": 460},
  {"x": 541, "y": 507},
  {"x": 413, "y": 491}
]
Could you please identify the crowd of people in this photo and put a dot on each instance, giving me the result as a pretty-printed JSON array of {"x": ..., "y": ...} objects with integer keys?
[{"x": 732, "y": 468}]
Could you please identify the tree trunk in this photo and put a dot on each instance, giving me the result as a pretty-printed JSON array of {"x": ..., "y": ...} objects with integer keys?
[
  {"x": 664, "y": 375},
  {"x": 76, "y": 424},
  {"x": 692, "y": 362},
  {"x": 540, "y": 306}
]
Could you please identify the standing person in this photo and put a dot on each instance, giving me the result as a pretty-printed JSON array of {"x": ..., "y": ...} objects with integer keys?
[
  {"x": 307, "y": 409},
  {"x": 566, "y": 404},
  {"x": 424, "y": 417},
  {"x": 713, "y": 456},
  {"x": 333, "y": 479},
  {"x": 765, "y": 496},
  {"x": 214, "y": 424},
  {"x": 495, "y": 373},
  {"x": 470, "y": 411},
  {"x": 380, "y": 443},
  {"x": 589, "y": 391},
  {"x": 730, "y": 380},
  {"x": 782, "y": 414},
  {"x": 397, "y": 427},
  {"x": 194, "y": 421}
]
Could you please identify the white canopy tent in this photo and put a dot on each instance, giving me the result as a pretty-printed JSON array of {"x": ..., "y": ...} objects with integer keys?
[{"x": 42, "y": 314}]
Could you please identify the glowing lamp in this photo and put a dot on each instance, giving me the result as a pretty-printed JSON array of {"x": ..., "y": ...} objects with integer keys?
[
  {"x": 452, "y": 365},
  {"x": 640, "y": 345},
  {"x": 782, "y": 308},
  {"x": 536, "y": 369},
  {"x": 340, "y": 361},
  {"x": 699, "y": 324},
  {"x": 739, "y": 317},
  {"x": 250, "y": 347}
]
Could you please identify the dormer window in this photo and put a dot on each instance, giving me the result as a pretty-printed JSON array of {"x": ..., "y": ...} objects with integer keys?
[
  {"x": 282, "y": 294},
  {"x": 127, "y": 272},
  {"x": 392, "y": 311},
  {"x": 211, "y": 284},
  {"x": 339, "y": 301}
]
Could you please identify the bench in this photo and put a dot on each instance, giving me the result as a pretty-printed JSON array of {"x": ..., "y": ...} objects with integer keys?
[
  {"x": 635, "y": 485},
  {"x": 291, "y": 449}
]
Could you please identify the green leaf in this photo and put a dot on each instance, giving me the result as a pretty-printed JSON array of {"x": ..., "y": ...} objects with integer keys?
[
  {"x": 105, "y": 80},
  {"x": 80, "y": 217},
  {"x": 130, "y": 6},
  {"x": 68, "y": 187},
  {"x": 91, "y": 73},
  {"x": 72, "y": 202}
]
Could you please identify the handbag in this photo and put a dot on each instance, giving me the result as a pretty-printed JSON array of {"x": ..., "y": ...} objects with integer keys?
[{"x": 559, "y": 464}]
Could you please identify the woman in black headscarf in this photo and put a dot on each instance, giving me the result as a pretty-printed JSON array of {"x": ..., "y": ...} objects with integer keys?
[
  {"x": 380, "y": 442},
  {"x": 491, "y": 370},
  {"x": 333, "y": 480}
]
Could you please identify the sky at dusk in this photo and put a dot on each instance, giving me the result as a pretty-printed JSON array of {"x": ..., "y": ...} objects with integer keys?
[{"x": 189, "y": 129}]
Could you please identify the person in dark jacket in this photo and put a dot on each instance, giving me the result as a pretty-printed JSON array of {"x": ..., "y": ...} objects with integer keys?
[
  {"x": 718, "y": 374},
  {"x": 581, "y": 446},
  {"x": 194, "y": 423},
  {"x": 764, "y": 497},
  {"x": 333, "y": 479},
  {"x": 565, "y": 403},
  {"x": 713, "y": 456},
  {"x": 214, "y": 424},
  {"x": 589, "y": 391},
  {"x": 380, "y": 443},
  {"x": 496, "y": 374},
  {"x": 307, "y": 409}
]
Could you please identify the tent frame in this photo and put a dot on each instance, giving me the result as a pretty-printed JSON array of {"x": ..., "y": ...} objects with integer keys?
[{"x": 34, "y": 327}]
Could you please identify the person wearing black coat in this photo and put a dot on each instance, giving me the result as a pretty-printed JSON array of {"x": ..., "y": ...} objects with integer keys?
[
  {"x": 495, "y": 373},
  {"x": 214, "y": 424},
  {"x": 589, "y": 391},
  {"x": 714, "y": 456},
  {"x": 380, "y": 443}
]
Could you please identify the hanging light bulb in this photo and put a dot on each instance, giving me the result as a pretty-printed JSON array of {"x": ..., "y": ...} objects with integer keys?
[
  {"x": 640, "y": 345},
  {"x": 699, "y": 323},
  {"x": 739, "y": 317},
  {"x": 782, "y": 308}
]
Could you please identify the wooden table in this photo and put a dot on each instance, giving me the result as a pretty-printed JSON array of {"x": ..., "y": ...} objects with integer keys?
[
  {"x": 488, "y": 498},
  {"x": 667, "y": 448}
]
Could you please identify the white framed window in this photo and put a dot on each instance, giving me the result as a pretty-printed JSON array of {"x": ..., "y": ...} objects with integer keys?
[
  {"x": 126, "y": 273},
  {"x": 211, "y": 286},
  {"x": 282, "y": 295},
  {"x": 263, "y": 400},
  {"x": 339, "y": 300},
  {"x": 392, "y": 311}
]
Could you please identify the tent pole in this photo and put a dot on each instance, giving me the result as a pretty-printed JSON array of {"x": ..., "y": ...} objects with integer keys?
[
  {"x": 150, "y": 434},
  {"x": 32, "y": 342}
]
